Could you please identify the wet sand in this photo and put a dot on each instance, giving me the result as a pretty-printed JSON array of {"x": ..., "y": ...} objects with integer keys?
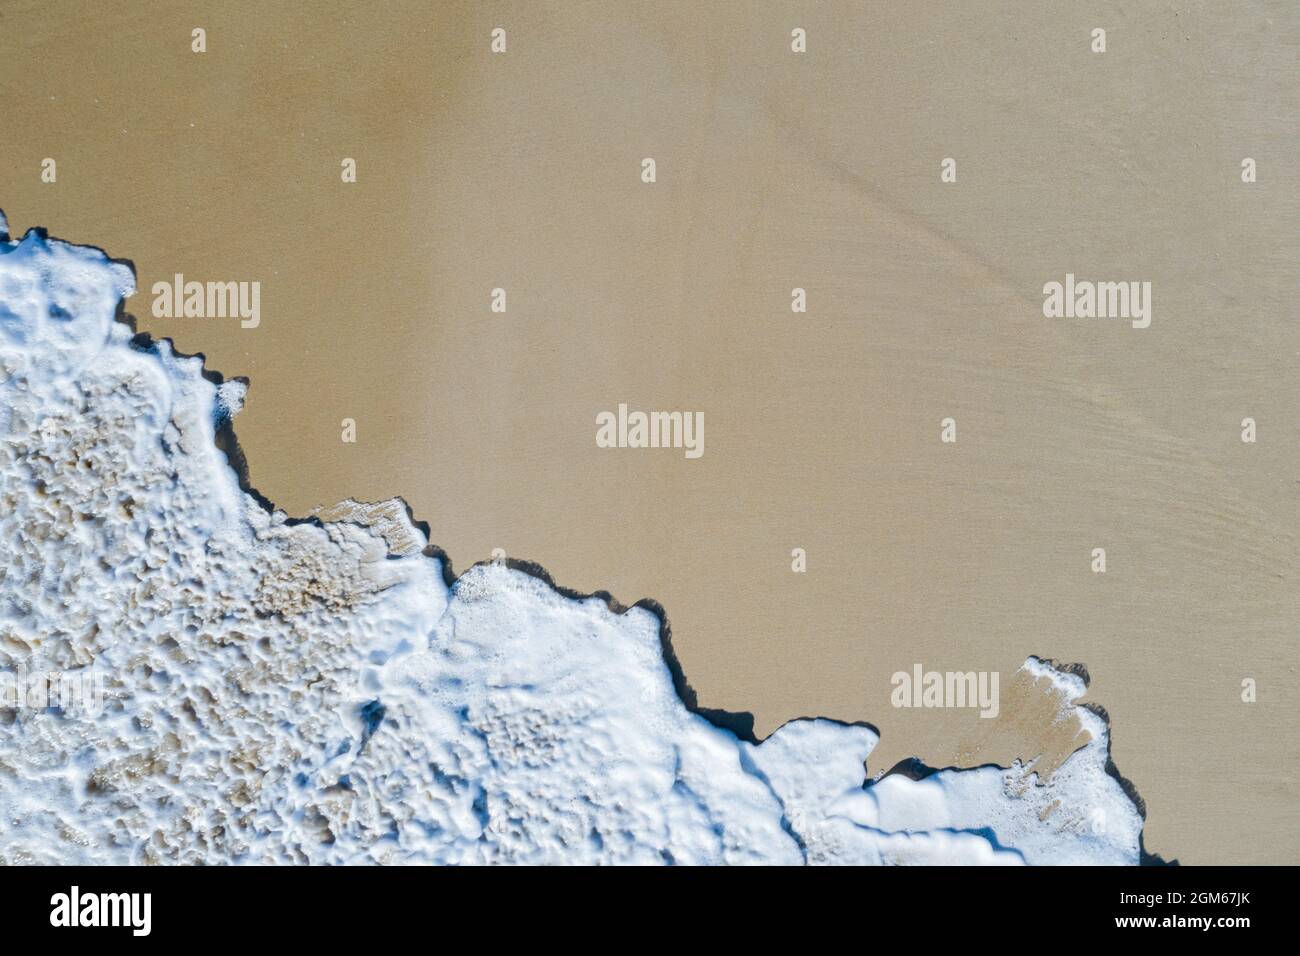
[{"x": 774, "y": 170}]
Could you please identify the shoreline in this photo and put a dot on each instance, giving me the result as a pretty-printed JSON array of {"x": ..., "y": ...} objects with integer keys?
[{"x": 739, "y": 723}]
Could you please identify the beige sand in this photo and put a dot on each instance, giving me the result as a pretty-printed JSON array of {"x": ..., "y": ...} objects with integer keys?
[{"x": 775, "y": 170}]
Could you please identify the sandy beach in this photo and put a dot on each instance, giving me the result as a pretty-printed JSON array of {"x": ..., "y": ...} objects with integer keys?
[{"x": 774, "y": 170}]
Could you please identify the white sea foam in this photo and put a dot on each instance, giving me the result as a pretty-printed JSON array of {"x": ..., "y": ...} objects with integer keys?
[{"x": 314, "y": 692}]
